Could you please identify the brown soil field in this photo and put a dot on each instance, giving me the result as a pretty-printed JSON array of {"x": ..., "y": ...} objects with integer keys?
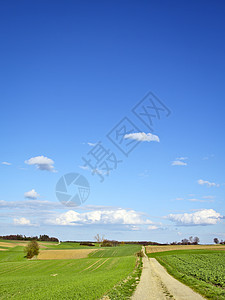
[
  {"x": 153, "y": 249},
  {"x": 8, "y": 245},
  {"x": 23, "y": 243},
  {"x": 64, "y": 254}
]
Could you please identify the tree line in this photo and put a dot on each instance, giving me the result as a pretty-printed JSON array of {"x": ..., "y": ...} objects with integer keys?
[
  {"x": 216, "y": 241},
  {"x": 191, "y": 241},
  {"x": 20, "y": 237}
]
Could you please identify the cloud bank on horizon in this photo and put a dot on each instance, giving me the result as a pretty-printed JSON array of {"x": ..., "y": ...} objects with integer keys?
[{"x": 201, "y": 217}]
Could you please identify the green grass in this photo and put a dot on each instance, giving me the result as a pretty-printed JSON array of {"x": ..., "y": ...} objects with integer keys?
[
  {"x": 65, "y": 245},
  {"x": 203, "y": 270},
  {"x": 123, "y": 250},
  {"x": 13, "y": 254},
  {"x": 181, "y": 252},
  {"x": 125, "y": 288},
  {"x": 87, "y": 278}
]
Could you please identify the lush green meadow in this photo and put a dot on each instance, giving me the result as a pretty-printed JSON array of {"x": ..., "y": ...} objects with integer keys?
[
  {"x": 124, "y": 250},
  {"x": 203, "y": 270},
  {"x": 86, "y": 278}
]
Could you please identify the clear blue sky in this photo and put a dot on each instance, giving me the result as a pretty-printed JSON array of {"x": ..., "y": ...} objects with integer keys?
[{"x": 69, "y": 72}]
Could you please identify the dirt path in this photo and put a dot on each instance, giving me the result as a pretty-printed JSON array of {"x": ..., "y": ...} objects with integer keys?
[{"x": 157, "y": 284}]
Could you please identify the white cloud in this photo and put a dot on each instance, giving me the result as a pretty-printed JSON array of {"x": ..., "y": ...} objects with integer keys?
[
  {"x": 208, "y": 197},
  {"x": 142, "y": 136},
  {"x": 178, "y": 163},
  {"x": 95, "y": 171},
  {"x": 199, "y": 200},
  {"x": 182, "y": 158},
  {"x": 21, "y": 221},
  {"x": 36, "y": 205},
  {"x": 201, "y": 217},
  {"x": 31, "y": 194},
  {"x": 42, "y": 163},
  {"x": 208, "y": 157},
  {"x": 6, "y": 163},
  {"x": 112, "y": 216},
  {"x": 208, "y": 183},
  {"x": 84, "y": 167},
  {"x": 204, "y": 199},
  {"x": 92, "y": 144},
  {"x": 152, "y": 227}
]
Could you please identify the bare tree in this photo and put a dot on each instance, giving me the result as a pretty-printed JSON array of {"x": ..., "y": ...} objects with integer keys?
[
  {"x": 191, "y": 239},
  {"x": 196, "y": 240},
  {"x": 185, "y": 242},
  {"x": 99, "y": 238}
]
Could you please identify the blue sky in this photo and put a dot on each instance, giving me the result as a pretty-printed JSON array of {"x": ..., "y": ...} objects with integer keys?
[{"x": 70, "y": 72}]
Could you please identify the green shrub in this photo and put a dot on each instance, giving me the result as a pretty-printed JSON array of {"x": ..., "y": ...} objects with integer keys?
[
  {"x": 140, "y": 254},
  {"x": 32, "y": 249}
]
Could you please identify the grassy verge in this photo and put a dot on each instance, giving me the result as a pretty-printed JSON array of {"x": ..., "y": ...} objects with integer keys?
[{"x": 125, "y": 288}]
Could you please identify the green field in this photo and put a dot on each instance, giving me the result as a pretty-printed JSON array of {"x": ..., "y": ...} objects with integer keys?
[
  {"x": 125, "y": 250},
  {"x": 203, "y": 270},
  {"x": 86, "y": 278}
]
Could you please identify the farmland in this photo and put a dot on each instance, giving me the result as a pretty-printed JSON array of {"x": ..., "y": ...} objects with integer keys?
[
  {"x": 154, "y": 249},
  {"x": 65, "y": 254},
  {"x": 83, "y": 278},
  {"x": 201, "y": 268}
]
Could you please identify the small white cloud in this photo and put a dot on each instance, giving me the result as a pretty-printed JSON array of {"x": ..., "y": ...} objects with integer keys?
[
  {"x": 201, "y": 217},
  {"x": 134, "y": 228},
  {"x": 182, "y": 158},
  {"x": 31, "y": 194},
  {"x": 84, "y": 167},
  {"x": 21, "y": 221},
  {"x": 198, "y": 200},
  {"x": 153, "y": 227},
  {"x": 6, "y": 163},
  {"x": 208, "y": 157},
  {"x": 208, "y": 183},
  {"x": 92, "y": 144},
  {"x": 208, "y": 197},
  {"x": 178, "y": 163},
  {"x": 142, "y": 136},
  {"x": 42, "y": 163},
  {"x": 179, "y": 199}
]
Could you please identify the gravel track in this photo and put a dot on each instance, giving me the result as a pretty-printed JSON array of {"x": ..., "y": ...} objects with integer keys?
[{"x": 157, "y": 284}]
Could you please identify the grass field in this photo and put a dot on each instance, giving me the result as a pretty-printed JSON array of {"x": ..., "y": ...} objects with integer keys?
[
  {"x": 153, "y": 249},
  {"x": 202, "y": 269},
  {"x": 125, "y": 250},
  {"x": 84, "y": 278}
]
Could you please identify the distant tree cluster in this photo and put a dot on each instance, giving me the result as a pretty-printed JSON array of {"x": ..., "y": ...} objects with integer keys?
[
  {"x": 20, "y": 237},
  {"x": 216, "y": 241},
  {"x": 108, "y": 243},
  {"x": 190, "y": 241},
  {"x": 87, "y": 244}
]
